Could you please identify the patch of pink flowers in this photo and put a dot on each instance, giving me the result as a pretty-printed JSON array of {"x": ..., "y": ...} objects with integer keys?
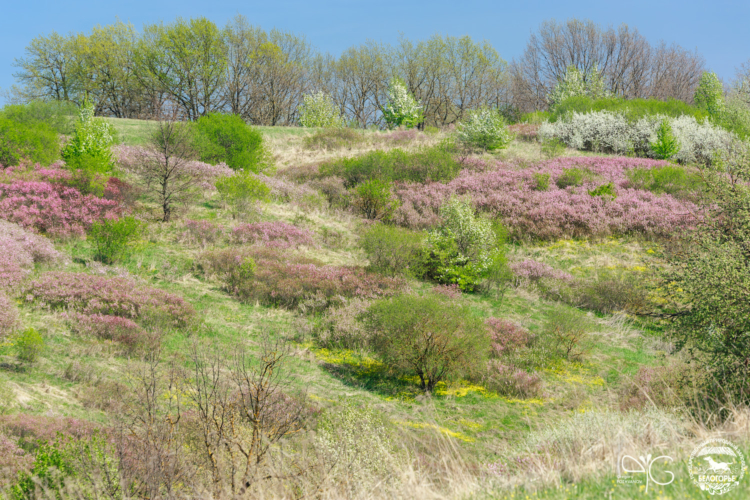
[
  {"x": 8, "y": 315},
  {"x": 52, "y": 209},
  {"x": 532, "y": 271},
  {"x": 506, "y": 336},
  {"x": 114, "y": 328},
  {"x": 202, "y": 232},
  {"x": 132, "y": 158},
  {"x": 288, "y": 192},
  {"x": 508, "y": 192},
  {"x": 452, "y": 291},
  {"x": 272, "y": 234},
  {"x": 19, "y": 251},
  {"x": 90, "y": 295}
]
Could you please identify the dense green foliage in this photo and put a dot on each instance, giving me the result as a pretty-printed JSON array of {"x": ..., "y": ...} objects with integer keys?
[
  {"x": 29, "y": 345},
  {"x": 666, "y": 144},
  {"x": 113, "y": 238},
  {"x": 223, "y": 138},
  {"x": 240, "y": 191},
  {"x": 425, "y": 164},
  {"x": 374, "y": 199},
  {"x": 484, "y": 129},
  {"x": 426, "y": 337},
  {"x": 709, "y": 95},
  {"x": 670, "y": 179},
  {"x": 34, "y": 141},
  {"x": 89, "y": 152},
  {"x": 60, "y": 115},
  {"x": 392, "y": 250},
  {"x": 633, "y": 109}
]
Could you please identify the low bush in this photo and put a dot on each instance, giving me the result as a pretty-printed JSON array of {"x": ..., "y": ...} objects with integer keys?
[
  {"x": 667, "y": 386},
  {"x": 612, "y": 292},
  {"x": 374, "y": 200},
  {"x": 113, "y": 238},
  {"x": 292, "y": 281},
  {"x": 201, "y": 232},
  {"x": 52, "y": 209},
  {"x": 115, "y": 328},
  {"x": 427, "y": 337},
  {"x": 272, "y": 234},
  {"x": 32, "y": 142},
  {"x": 532, "y": 272},
  {"x": 670, "y": 179},
  {"x": 525, "y": 131},
  {"x": 541, "y": 181},
  {"x": 506, "y": 337},
  {"x": 434, "y": 163},
  {"x": 241, "y": 191},
  {"x": 573, "y": 177},
  {"x": 225, "y": 138},
  {"x": 552, "y": 147},
  {"x": 511, "y": 381},
  {"x": 393, "y": 251},
  {"x": 342, "y": 327},
  {"x": 123, "y": 297},
  {"x": 484, "y": 129},
  {"x": 334, "y": 138},
  {"x": 567, "y": 333},
  {"x": 14, "y": 460},
  {"x": 604, "y": 191},
  {"x": 8, "y": 317},
  {"x": 28, "y": 345},
  {"x": 19, "y": 251}
]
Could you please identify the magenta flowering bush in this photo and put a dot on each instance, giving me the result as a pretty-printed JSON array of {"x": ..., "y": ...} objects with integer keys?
[
  {"x": 506, "y": 336},
  {"x": 19, "y": 251},
  {"x": 133, "y": 158},
  {"x": 272, "y": 234},
  {"x": 289, "y": 192},
  {"x": 512, "y": 381},
  {"x": 123, "y": 297},
  {"x": 531, "y": 271},
  {"x": 8, "y": 316},
  {"x": 52, "y": 209},
  {"x": 509, "y": 193},
  {"x": 202, "y": 232},
  {"x": 115, "y": 328}
]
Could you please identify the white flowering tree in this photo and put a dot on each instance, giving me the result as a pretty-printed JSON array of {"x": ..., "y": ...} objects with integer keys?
[
  {"x": 574, "y": 83},
  {"x": 401, "y": 109},
  {"x": 485, "y": 128},
  {"x": 709, "y": 94},
  {"x": 319, "y": 110}
]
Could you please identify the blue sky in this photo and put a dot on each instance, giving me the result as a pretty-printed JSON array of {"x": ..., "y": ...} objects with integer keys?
[{"x": 718, "y": 29}]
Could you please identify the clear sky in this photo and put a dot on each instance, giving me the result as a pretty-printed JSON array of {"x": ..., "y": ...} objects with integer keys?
[{"x": 719, "y": 29}]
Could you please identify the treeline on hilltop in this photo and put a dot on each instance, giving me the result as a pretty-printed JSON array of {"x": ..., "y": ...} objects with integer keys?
[{"x": 193, "y": 67}]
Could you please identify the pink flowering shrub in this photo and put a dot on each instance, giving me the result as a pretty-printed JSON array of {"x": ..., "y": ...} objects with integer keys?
[
  {"x": 52, "y": 209},
  {"x": 133, "y": 158},
  {"x": 525, "y": 131},
  {"x": 290, "y": 192},
  {"x": 452, "y": 291},
  {"x": 123, "y": 297},
  {"x": 8, "y": 316},
  {"x": 531, "y": 271},
  {"x": 115, "y": 328},
  {"x": 512, "y": 381},
  {"x": 509, "y": 193},
  {"x": 506, "y": 336},
  {"x": 31, "y": 430},
  {"x": 13, "y": 460},
  {"x": 19, "y": 251},
  {"x": 202, "y": 232},
  {"x": 272, "y": 234},
  {"x": 292, "y": 281}
]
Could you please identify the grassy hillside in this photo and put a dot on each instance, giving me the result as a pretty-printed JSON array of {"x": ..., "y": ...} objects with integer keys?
[{"x": 464, "y": 440}]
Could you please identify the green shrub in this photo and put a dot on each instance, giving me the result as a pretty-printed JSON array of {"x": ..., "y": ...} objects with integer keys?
[
  {"x": 605, "y": 190},
  {"x": 36, "y": 142},
  {"x": 736, "y": 116},
  {"x": 29, "y": 345},
  {"x": 59, "y": 115},
  {"x": 485, "y": 129},
  {"x": 113, "y": 238},
  {"x": 541, "y": 181},
  {"x": 552, "y": 147},
  {"x": 240, "y": 191},
  {"x": 334, "y": 138},
  {"x": 226, "y": 138},
  {"x": 425, "y": 164},
  {"x": 612, "y": 292},
  {"x": 51, "y": 468},
  {"x": 393, "y": 251},
  {"x": 669, "y": 179},
  {"x": 567, "y": 333},
  {"x": 374, "y": 200},
  {"x": 632, "y": 109},
  {"x": 536, "y": 117},
  {"x": 709, "y": 95},
  {"x": 573, "y": 177},
  {"x": 428, "y": 337},
  {"x": 466, "y": 250},
  {"x": 430, "y": 130},
  {"x": 319, "y": 110},
  {"x": 666, "y": 145}
]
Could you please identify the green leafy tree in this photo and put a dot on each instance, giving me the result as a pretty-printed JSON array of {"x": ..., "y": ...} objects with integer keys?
[
  {"x": 427, "y": 337},
  {"x": 90, "y": 147},
  {"x": 401, "y": 109},
  {"x": 240, "y": 191},
  {"x": 29, "y": 345},
  {"x": 319, "y": 110},
  {"x": 709, "y": 94},
  {"x": 226, "y": 138},
  {"x": 710, "y": 282}
]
